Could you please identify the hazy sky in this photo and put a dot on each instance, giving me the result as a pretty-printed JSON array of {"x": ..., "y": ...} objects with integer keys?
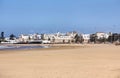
[{"x": 87, "y": 16}]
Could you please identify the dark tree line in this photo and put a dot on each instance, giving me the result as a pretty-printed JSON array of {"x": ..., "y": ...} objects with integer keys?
[{"x": 115, "y": 37}]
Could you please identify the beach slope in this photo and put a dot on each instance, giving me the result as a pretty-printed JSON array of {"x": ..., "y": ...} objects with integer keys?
[{"x": 101, "y": 61}]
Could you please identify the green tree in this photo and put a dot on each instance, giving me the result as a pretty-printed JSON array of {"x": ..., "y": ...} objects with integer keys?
[
  {"x": 78, "y": 39},
  {"x": 12, "y": 37}
]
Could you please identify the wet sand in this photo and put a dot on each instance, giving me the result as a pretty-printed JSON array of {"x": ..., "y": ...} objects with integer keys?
[{"x": 89, "y": 61}]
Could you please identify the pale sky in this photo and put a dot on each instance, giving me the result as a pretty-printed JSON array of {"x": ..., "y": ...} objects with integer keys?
[{"x": 48, "y": 16}]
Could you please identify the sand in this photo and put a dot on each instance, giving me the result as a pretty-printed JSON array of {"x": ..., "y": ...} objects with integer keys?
[{"x": 95, "y": 61}]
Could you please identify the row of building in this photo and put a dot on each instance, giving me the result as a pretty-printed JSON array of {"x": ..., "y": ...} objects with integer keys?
[{"x": 68, "y": 37}]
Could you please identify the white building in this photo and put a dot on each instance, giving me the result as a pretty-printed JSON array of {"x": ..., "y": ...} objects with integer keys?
[
  {"x": 86, "y": 37},
  {"x": 34, "y": 36},
  {"x": 48, "y": 36},
  {"x": 58, "y": 37},
  {"x": 101, "y": 35},
  {"x": 8, "y": 41},
  {"x": 24, "y": 38},
  {"x": 63, "y": 39}
]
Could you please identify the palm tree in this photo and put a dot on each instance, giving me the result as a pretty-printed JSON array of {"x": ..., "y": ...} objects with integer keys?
[{"x": 2, "y": 37}]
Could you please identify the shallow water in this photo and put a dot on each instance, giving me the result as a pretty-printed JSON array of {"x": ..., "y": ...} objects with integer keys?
[{"x": 20, "y": 47}]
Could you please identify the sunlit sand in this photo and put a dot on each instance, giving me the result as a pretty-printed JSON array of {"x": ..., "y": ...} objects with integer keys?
[{"x": 89, "y": 61}]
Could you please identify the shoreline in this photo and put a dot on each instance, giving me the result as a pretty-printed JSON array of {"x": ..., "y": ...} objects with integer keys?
[
  {"x": 49, "y": 47},
  {"x": 53, "y": 47}
]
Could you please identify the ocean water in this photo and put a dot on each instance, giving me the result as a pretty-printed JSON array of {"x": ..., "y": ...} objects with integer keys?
[{"x": 20, "y": 47}]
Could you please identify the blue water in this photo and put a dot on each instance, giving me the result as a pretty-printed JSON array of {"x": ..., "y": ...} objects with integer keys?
[{"x": 21, "y": 47}]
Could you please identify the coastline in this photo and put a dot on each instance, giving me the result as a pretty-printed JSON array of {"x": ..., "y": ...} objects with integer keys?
[
  {"x": 49, "y": 47},
  {"x": 52, "y": 46}
]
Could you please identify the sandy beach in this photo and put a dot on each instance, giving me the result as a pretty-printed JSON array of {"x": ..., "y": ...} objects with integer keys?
[{"x": 86, "y": 61}]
